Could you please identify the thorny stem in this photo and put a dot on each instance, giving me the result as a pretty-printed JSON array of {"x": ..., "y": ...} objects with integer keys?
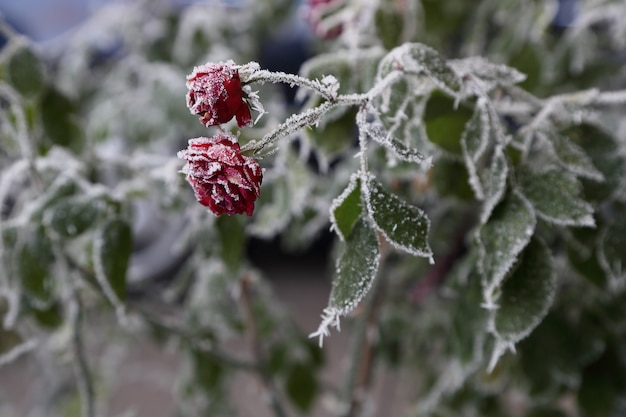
[
  {"x": 83, "y": 376},
  {"x": 257, "y": 349}
]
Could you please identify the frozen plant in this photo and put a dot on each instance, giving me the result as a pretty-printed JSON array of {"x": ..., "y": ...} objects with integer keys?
[{"x": 466, "y": 157}]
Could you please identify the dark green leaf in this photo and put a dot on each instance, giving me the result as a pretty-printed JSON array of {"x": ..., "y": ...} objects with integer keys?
[
  {"x": 526, "y": 294},
  {"x": 444, "y": 123},
  {"x": 450, "y": 178},
  {"x": 60, "y": 121},
  {"x": 301, "y": 386},
  {"x": 73, "y": 216},
  {"x": 501, "y": 240},
  {"x": 605, "y": 153},
  {"x": 111, "y": 254},
  {"x": 26, "y": 71},
  {"x": 30, "y": 257},
  {"x": 556, "y": 198},
  {"x": 389, "y": 25},
  {"x": 208, "y": 370},
  {"x": 405, "y": 226},
  {"x": 332, "y": 137},
  {"x": 356, "y": 268},
  {"x": 612, "y": 249},
  {"x": 346, "y": 208}
]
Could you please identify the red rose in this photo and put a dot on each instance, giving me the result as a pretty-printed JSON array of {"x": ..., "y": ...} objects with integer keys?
[
  {"x": 222, "y": 178},
  {"x": 216, "y": 96}
]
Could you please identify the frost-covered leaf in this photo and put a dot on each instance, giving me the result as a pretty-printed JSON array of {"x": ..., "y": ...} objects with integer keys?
[
  {"x": 421, "y": 59},
  {"x": 501, "y": 240},
  {"x": 403, "y": 225},
  {"x": 556, "y": 198},
  {"x": 346, "y": 208},
  {"x": 474, "y": 142},
  {"x": 526, "y": 294},
  {"x": 399, "y": 149},
  {"x": 29, "y": 257},
  {"x": 445, "y": 123},
  {"x": 112, "y": 247},
  {"x": 60, "y": 120},
  {"x": 606, "y": 155},
  {"x": 494, "y": 183},
  {"x": 25, "y": 71},
  {"x": 356, "y": 269},
  {"x": 573, "y": 157},
  {"x": 490, "y": 74},
  {"x": 612, "y": 248},
  {"x": 74, "y": 215}
]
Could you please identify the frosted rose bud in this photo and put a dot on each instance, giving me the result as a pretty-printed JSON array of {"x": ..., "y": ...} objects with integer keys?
[
  {"x": 222, "y": 178},
  {"x": 215, "y": 94}
]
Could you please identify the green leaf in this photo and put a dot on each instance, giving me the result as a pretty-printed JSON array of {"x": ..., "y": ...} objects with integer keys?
[
  {"x": 113, "y": 244},
  {"x": 346, "y": 208},
  {"x": 74, "y": 215},
  {"x": 526, "y": 294},
  {"x": 602, "y": 386},
  {"x": 60, "y": 121},
  {"x": 421, "y": 58},
  {"x": 450, "y": 178},
  {"x": 301, "y": 386},
  {"x": 389, "y": 25},
  {"x": 501, "y": 240},
  {"x": 556, "y": 198},
  {"x": 612, "y": 253},
  {"x": 572, "y": 157},
  {"x": 544, "y": 411},
  {"x": 26, "y": 71},
  {"x": 356, "y": 269},
  {"x": 605, "y": 153},
  {"x": 491, "y": 75},
  {"x": 494, "y": 183},
  {"x": 232, "y": 239},
  {"x": 208, "y": 370},
  {"x": 444, "y": 123},
  {"x": 30, "y": 258},
  {"x": 397, "y": 148},
  {"x": 404, "y": 226},
  {"x": 474, "y": 143}
]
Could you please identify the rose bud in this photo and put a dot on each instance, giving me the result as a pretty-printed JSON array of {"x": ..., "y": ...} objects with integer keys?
[
  {"x": 222, "y": 178},
  {"x": 215, "y": 94}
]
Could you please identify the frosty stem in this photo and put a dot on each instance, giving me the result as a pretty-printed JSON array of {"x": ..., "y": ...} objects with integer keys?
[{"x": 313, "y": 115}]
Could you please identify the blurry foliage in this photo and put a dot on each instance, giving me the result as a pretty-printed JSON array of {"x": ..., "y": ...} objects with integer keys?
[{"x": 523, "y": 210}]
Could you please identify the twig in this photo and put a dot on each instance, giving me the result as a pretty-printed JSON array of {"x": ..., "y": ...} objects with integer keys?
[
  {"x": 83, "y": 376},
  {"x": 257, "y": 349}
]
